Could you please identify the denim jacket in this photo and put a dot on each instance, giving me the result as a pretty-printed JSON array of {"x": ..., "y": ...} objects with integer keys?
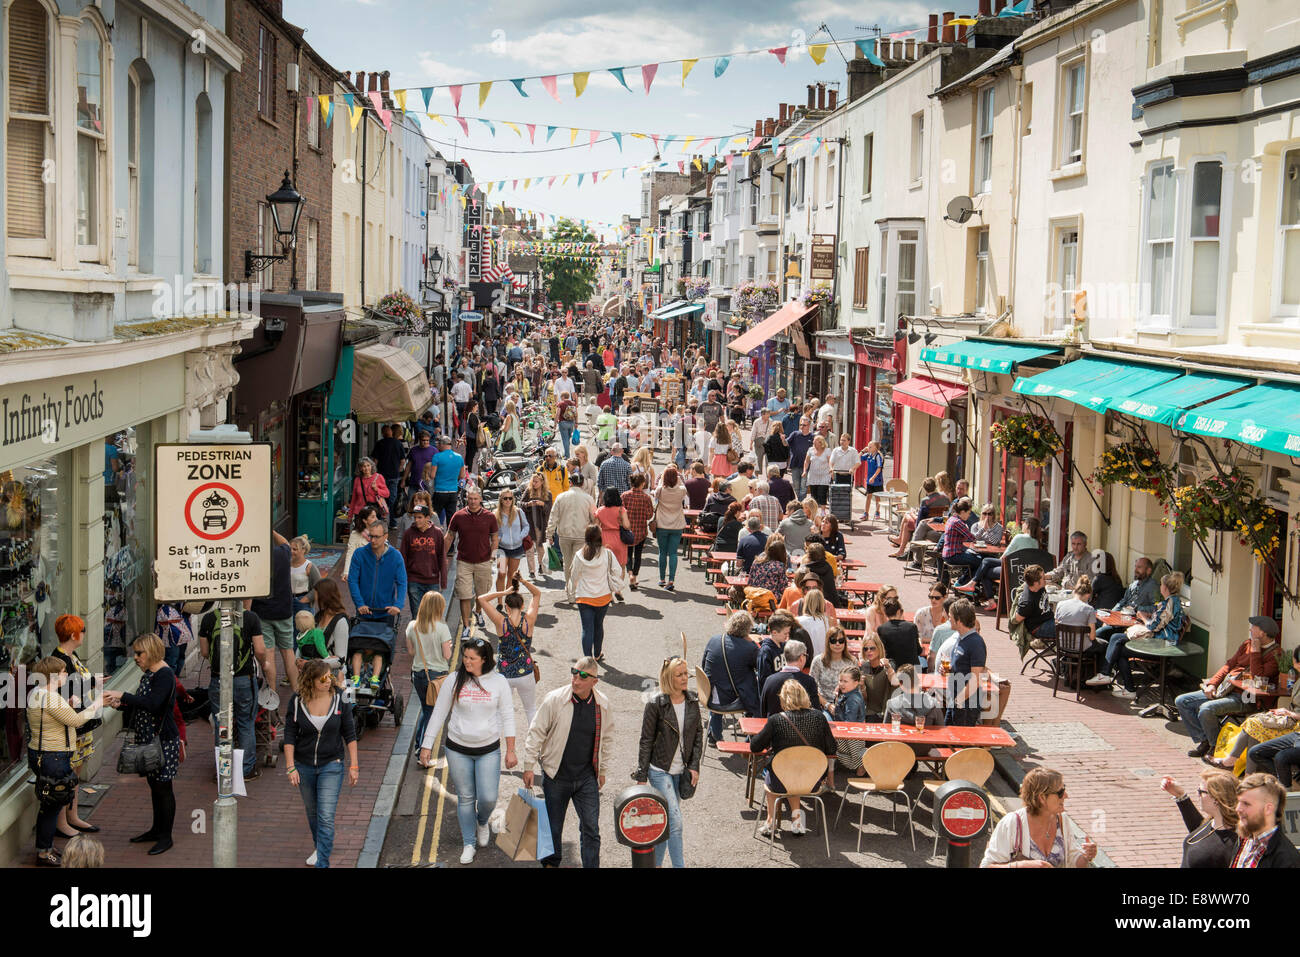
[{"x": 849, "y": 706}]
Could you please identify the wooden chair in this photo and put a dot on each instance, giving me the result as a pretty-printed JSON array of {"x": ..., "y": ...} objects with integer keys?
[
  {"x": 732, "y": 715},
  {"x": 1070, "y": 644},
  {"x": 968, "y": 764},
  {"x": 899, "y": 508},
  {"x": 887, "y": 764},
  {"x": 801, "y": 770}
]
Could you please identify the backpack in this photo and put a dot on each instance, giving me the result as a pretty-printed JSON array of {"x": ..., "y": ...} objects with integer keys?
[
  {"x": 760, "y": 600},
  {"x": 238, "y": 634},
  {"x": 570, "y": 415},
  {"x": 311, "y": 644},
  {"x": 709, "y": 522}
]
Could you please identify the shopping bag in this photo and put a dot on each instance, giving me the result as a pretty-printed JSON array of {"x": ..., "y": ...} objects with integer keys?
[
  {"x": 527, "y": 832},
  {"x": 554, "y": 559},
  {"x": 1223, "y": 745}
]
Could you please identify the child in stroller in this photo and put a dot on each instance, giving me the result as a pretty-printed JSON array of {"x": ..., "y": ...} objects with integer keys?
[{"x": 371, "y": 642}]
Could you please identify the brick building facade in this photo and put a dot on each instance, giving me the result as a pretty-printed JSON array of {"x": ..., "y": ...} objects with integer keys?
[{"x": 269, "y": 130}]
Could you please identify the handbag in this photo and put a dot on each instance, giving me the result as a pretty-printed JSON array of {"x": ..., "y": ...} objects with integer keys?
[
  {"x": 140, "y": 755},
  {"x": 733, "y": 456},
  {"x": 625, "y": 536},
  {"x": 52, "y": 790},
  {"x": 685, "y": 789}
]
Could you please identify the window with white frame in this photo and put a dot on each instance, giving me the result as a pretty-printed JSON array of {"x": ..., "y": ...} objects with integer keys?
[
  {"x": 133, "y": 167},
  {"x": 981, "y": 271},
  {"x": 868, "y": 161},
  {"x": 203, "y": 186},
  {"x": 1203, "y": 235},
  {"x": 310, "y": 252},
  {"x": 312, "y": 85},
  {"x": 91, "y": 141},
  {"x": 984, "y": 140},
  {"x": 753, "y": 203},
  {"x": 905, "y": 298},
  {"x": 29, "y": 136},
  {"x": 1065, "y": 273},
  {"x": 831, "y": 185},
  {"x": 918, "y": 147},
  {"x": 1073, "y": 83},
  {"x": 266, "y": 44},
  {"x": 773, "y": 196},
  {"x": 1159, "y": 206},
  {"x": 769, "y": 269},
  {"x": 816, "y": 179},
  {"x": 1287, "y": 267},
  {"x": 749, "y": 267},
  {"x": 645, "y": 204}
]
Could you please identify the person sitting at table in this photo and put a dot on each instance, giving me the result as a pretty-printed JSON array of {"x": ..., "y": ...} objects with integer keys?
[
  {"x": 768, "y": 570},
  {"x": 927, "y": 617},
  {"x": 814, "y": 560},
  {"x": 1077, "y": 562},
  {"x": 798, "y": 724},
  {"x": 988, "y": 530},
  {"x": 751, "y": 542},
  {"x": 1212, "y": 831},
  {"x": 945, "y": 635},
  {"x": 876, "y": 610},
  {"x": 956, "y": 536},
  {"x": 716, "y": 505},
  {"x": 1257, "y": 729},
  {"x": 901, "y": 638},
  {"x": 984, "y": 586},
  {"x": 798, "y": 587},
  {"x": 833, "y": 537},
  {"x": 770, "y": 656},
  {"x": 930, "y": 496},
  {"x": 1202, "y": 711},
  {"x": 728, "y": 663},
  {"x": 767, "y": 505},
  {"x": 1039, "y": 834},
  {"x": 1033, "y": 610},
  {"x": 1075, "y": 610},
  {"x": 812, "y": 617},
  {"x": 795, "y": 527},
  {"x": 878, "y": 678},
  {"x": 910, "y": 701},
  {"x": 848, "y": 706},
  {"x": 795, "y": 655},
  {"x": 1166, "y": 622},
  {"x": 728, "y": 530},
  {"x": 1280, "y": 757},
  {"x": 827, "y": 667}
]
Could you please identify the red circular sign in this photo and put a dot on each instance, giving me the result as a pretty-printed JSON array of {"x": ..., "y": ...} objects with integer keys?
[
  {"x": 964, "y": 813},
  {"x": 643, "y": 820},
  {"x": 221, "y": 510}
]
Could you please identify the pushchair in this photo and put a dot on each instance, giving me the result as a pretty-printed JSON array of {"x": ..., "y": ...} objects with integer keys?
[{"x": 375, "y": 638}]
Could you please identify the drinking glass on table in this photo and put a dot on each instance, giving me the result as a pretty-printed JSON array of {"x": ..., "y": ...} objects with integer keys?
[
  {"x": 896, "y": 722},
  {"x": 920, "y": 722}
]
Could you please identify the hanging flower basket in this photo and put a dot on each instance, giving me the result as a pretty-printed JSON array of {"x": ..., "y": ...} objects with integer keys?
[
  {"x": 1226, "y": 504},
  {"x": 697, "y": 288},
  {"x": 1030, "y": 437},
  {"x": 1135, "y": 465},
  {"x": 752, "y": 299}
]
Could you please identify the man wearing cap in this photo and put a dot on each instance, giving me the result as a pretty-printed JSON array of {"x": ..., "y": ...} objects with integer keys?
[
  {"x": 423, "y": 550},
  {"x": 449, "y": 470},
  {"x": 570, "y": 737},
  {"x": 1203, "y": 711}
]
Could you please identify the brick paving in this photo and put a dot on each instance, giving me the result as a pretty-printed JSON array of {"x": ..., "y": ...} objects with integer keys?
[
  {"x": 1111, "y": 758},
  {"x": 272, "y": 823}
]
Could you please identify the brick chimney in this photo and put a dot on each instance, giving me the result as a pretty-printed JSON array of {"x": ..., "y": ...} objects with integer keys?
[
  {"x": 769, "y": 127},
  {"x": 833, "y": 97},
  {"x": 821, "y": 96},
  {"x": 948, "y": 30},
  {"x": 932, "y": 34},
  {"x": 986, "y": 8},
  {"x": 812, "y": 97},
  {"x": 782, "y": 113},
  {"x": 758, "y": 127}
]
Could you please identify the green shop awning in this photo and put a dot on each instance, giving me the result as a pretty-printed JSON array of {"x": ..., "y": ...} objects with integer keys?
[
  {"x": 1265, "y": 416},
  {"x": 1166, "y": 402},
  {"x": 1000, "y": 357},
  {"x": 1097, "y": 384},
  {"x": 680, "y": 309}
]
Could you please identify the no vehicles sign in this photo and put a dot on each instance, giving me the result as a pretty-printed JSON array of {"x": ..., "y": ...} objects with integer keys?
[{"x": 212, "y": 521}]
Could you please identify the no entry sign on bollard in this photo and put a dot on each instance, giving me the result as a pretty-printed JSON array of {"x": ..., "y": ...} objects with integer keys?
[
  {"x": 961, "y": 812},
  {"x": 641, "y": 822}
]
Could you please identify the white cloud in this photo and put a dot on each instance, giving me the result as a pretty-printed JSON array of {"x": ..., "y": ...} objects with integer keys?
[
  {"x": 434, "y": 71},
  {"x": 604, "y": 38}
]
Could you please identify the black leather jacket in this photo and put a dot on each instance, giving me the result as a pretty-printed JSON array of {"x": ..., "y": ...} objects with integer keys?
[{"x": 660, "y": 739}]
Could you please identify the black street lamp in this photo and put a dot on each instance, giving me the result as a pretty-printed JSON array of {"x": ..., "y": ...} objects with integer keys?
[{"x": 286, "y": 206}]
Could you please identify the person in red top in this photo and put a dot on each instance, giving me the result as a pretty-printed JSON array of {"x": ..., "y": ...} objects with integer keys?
[
  {"x": 1203, "y": 711},
  {"x": 475, "y": 532},
  {"x": 424, "y": 551},
  {"x": 640, "y": 510}
]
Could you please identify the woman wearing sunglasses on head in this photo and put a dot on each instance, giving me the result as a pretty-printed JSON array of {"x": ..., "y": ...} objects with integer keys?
[
  {"x": 478, "y": 712},
  {"x": 1040, "y": 834},
  {"x": 318, "y": 731},
  {"x": 672, "y": 738}
]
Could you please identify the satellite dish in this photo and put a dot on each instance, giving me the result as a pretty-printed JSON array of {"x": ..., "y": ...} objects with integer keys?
[{"x": 960, "y": 209}]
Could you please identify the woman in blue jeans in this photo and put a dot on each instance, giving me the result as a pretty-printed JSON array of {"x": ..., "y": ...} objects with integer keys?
[
  {"x": 670, "y": 523},
  {"x": 594, "y": 579},
  {"x": 318, "y": 734},
  {"x": 478, "y": 712},
  {"x": 672, "y": 739}
]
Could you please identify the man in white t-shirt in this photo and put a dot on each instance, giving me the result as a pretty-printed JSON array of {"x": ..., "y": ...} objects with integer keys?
[
  {"x": 461, "y": 393},
  {"x": 827, "y": 412},
  {"x": 562, "y": 385}
]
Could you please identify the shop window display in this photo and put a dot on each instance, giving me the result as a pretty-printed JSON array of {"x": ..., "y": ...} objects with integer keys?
[
  {"x": 124, "y": 554},
  {"x": 311, "y": 457},
  {"x": 28, "y": 572}
]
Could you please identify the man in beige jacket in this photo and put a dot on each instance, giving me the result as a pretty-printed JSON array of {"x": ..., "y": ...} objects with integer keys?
[
  {"x": 570, "y": 737},
  {"x": 571, "y": 512}
]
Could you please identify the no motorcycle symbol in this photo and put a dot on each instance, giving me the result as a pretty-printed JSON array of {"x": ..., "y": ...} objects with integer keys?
[{"x": 214, "y": 511}]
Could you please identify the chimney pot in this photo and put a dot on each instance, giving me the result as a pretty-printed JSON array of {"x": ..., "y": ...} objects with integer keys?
[
  {"x": 909, "y": 49},
  {"x": 383, "y": 82},
  {"x": 834, "y": 95},
  {"x": 374, "y": 82},
  {"x": 948, "y": 31},
  {"x": 758, "y": 127},
  {"x": 812, "y": 97},
  {"x": 769, "y": 128},
  {"x": 821, "y": 96},
  {"x": 961, "y": 33},
  {"x": 781, "y": 114},
  {"x": 986, "y": 7},
  {"x": 932, "y": 34}
]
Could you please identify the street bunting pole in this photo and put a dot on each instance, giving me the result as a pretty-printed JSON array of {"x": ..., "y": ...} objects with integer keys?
[{"x": 212, "y": 528}]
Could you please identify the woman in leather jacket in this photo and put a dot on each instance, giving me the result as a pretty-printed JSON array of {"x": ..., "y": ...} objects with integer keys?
[{"x": 672, "y": 739}]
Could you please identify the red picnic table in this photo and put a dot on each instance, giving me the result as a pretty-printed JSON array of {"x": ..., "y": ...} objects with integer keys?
[
  {"x": 860, "y": 588},
  {"x": 979, "y": 736}
]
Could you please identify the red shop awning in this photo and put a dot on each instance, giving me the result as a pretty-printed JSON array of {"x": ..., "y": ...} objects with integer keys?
[
  {"x": 775, "y": 323},
  {"x": 928, "y": 395}
]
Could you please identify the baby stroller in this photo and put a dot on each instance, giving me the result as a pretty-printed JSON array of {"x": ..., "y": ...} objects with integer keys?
[
  {"x": 266, "y": 725},
  {"x": 376, "y": 638}
]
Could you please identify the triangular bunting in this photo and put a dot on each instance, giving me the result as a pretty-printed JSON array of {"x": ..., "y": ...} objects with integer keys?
[
  {"x": 779, "y": 53},
  {"x": 548, "y": 84},
  {"x": 580, "y": 82},
  {"x": 519, "y": 87},
  {"x": 355, "y": 112},
  {"x": 455, "y": 92},
  {"x": 655, "y": 137},
  {"x": 385, "y": 116},
  {"x": 436, "y": 118},
  {"x": 618, "y": 138},
  {"x": 518, "y": 131},
  {"x": 720, "y": 66},
  {"x": 648, "y": 75},
  {"x": 532, "y": 132},
  {"x": 400, "y": 97},
  {"x": 326, "y": 109},
  {"x": 687, "y": 66},
  {"x": 488, "y": 124},
  {"x": 484, "y": 89},
  {"x": 464, "y": 124},
  {"x": 595, "y": 134},
  {"x": 618, "y": 75},
  {"x": 818, "y": 52},
  {"x": 428, "y": 98},
  {"x": 550, "y": 130},
  {"x": 573, "y": 135}
]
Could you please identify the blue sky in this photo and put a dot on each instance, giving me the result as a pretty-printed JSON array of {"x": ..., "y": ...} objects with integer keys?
[{"x": 420, "y": 45}]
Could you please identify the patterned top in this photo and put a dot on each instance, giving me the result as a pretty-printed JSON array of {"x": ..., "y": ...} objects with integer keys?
[
  {"x": 769, "y": 507},
  {"x": 515, "y": 650},
  {"x": 640, "y": 509},
  {"x": 769, "y": 574},
  {"x": 1252, "y": 849},
  {"x": 614, "y": 473}
]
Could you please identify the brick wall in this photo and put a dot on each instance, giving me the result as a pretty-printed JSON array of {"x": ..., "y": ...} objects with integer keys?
[{"x": 262, "y": 147}]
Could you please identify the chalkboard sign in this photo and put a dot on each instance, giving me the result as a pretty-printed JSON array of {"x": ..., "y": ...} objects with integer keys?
[{"x": 648, "y": 405}]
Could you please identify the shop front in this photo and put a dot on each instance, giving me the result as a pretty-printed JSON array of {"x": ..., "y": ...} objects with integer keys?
[
  {"x": 934, "y": 428},
  {"x": 877, "y": 365},
  {"x": 839, "y": 364},
  {"x": 285, "y": 373}
]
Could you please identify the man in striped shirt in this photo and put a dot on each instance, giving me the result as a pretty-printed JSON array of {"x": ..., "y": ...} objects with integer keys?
[{"x": 768, "y": 506}]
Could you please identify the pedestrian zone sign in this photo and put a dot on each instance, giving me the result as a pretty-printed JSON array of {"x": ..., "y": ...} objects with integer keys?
[{"x": 212, "y": 521}]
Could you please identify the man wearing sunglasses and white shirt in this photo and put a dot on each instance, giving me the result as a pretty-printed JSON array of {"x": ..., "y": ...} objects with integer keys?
[{"x": 570, "y": 737}]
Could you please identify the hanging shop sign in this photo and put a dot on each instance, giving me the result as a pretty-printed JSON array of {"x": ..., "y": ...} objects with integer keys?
[
  {"x": 439, "y": 321},
  {"x": 212, "y": 521},
  {"x": 823, "y": 261},
  {"x": 837, "y": 348},
  {"x": 875, "y": 357},
  {"x": 476, "y": 250}
]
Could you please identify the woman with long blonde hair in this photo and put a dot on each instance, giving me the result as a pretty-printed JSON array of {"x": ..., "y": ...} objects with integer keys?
[
  {"x": 428, "y": 640},
  {"x": 514, "y": 528},
  {"x": 876, "y": 610},
  {"x": 643, "y": 461},
  {"x": 719, "y": 446}
]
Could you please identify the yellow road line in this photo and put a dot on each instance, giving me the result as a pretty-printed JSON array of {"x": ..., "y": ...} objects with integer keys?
[{"x": 418, "y": 846}]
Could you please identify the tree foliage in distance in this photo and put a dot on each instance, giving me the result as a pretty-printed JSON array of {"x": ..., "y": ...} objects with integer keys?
[{"x": 569, "y": 280}]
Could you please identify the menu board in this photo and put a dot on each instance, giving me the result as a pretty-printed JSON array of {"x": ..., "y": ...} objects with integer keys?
[{"x": 671, "y": 389}]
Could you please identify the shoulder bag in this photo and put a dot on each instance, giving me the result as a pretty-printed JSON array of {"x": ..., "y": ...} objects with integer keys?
[
  {"x": 685, "y": 789},
  {"x": 142, "y": 754},
  {"x": 51, "y": 790}
]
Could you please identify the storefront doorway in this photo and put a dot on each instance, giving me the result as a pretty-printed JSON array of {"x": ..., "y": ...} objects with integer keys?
[{"x": 1020, "y": 489}]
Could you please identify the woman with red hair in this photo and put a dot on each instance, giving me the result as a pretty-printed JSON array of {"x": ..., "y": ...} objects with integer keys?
[{"x": 71, "y": 631}]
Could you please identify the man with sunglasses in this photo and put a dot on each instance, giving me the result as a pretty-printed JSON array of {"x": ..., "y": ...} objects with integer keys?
[{"x": 570, "y": 738}]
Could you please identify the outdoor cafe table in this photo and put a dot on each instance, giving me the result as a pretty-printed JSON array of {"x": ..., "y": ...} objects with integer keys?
[
  {"x": 860, "y": 588},
  {"x": 890, "y": 498},
  {"x": 988, "y": 551},
  {"x": 1116, "y": 619},
  {"x": 1159, "y": 649},
  {"x": 979, "y": 736}
]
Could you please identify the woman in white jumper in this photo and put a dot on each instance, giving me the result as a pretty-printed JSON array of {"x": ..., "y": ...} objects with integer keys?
[
  {"x": 595, "y": 578},
  {"x": 478, "y": 712}
]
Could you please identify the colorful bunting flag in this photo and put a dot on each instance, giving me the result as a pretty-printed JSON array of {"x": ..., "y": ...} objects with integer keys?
[
  {"x": 436, "y": 118},
  {"x": 779, "y": 53},
  {"x": 455, "y": 92},
  {"x": 595, "y": 134},
  {"x": 549, "y": 131},
  {"x": 400, "y": 97},
  {"x": 428, "y": 98},
  {"x": 518, "y": 131},
  {"x": 548, "y": 84},
  {"x": 385, "y": 116},
  {"x": 573, "y": 135},
  {"x": 519, "y": 87},
  {"x": 618, "y": 138},
  {"x": 865, "y": 48},
  {"x": 326, "y": 109},
  {"x": 618, "y": 75},
  {"x": 580, "y": 82},
  {"x": 720, "y": 66},
  {"x": 484, "y": 89},
  {"x": 687, "y": 66},
  {"x": 818, "y": 52},
  {"x": 488, "y": 124},
  {"x": 355, "y": 112},
  {"x": 681, "y": 167},
  {"x": 464, "y": 124},
  {"x": 532, "y": 132},
  {"x": 648, "y": 72}
]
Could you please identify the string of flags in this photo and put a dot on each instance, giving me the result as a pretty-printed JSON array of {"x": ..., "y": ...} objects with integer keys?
[{"x": 532, "y": 131}]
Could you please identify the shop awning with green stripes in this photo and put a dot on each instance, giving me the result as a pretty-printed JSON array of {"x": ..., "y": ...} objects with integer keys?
[
  {"x": 1097, "y": 384},
  {"x": 1164, "y": 403},
  {"x": 1000, "y": 356},
  {"x": 680, "y": 309},
  {"x": 1266, "y": 416}
]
